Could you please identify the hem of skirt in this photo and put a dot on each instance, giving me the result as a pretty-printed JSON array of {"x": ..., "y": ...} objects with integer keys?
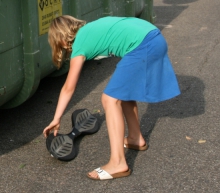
[{"x": 147, "y": 100}]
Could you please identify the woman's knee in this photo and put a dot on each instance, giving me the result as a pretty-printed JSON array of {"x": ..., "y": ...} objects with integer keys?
[{"x": 109, "y": 101}]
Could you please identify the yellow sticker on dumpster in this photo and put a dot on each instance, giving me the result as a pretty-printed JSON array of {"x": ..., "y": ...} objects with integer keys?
[{"x": 47, "y": 10}]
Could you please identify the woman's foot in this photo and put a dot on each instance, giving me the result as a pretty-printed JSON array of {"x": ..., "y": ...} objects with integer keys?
[
  {"x": 119, "y": 170},
  {"x": 136, "y": 144}
]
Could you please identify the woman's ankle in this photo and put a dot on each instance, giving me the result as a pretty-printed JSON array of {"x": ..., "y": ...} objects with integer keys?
[
  {"x": 135, "y": 140},
  {"x": 121, "y": 166}
]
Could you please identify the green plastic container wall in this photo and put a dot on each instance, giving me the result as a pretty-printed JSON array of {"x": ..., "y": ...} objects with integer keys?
[
  {"x": 25, "y": 55},
  {"x": 11, "y": 50}
]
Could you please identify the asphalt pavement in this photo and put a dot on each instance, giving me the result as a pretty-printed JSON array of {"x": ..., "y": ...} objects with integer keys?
[{"x": 183, "y": 133}]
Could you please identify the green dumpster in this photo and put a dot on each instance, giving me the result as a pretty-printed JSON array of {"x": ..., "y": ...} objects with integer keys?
[{"x": 25, "y": 55}]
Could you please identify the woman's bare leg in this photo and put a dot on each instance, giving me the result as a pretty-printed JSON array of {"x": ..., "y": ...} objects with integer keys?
[
  {"x": 116, "y": 128},
  {"x": 130, "y": 111}
]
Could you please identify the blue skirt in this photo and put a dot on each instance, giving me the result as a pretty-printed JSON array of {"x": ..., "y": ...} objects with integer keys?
[{"x": 145, "y": 74}]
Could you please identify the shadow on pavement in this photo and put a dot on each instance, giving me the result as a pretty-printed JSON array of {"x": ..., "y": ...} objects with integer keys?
[
  {"x": 189, "y": 103},
  {"x": 21, "y": 125},
  {"x": 165, "y": 14},
  {"x": 178, "y": 1}
]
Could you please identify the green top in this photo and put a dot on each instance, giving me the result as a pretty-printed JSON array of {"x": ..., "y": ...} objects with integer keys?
[{"x": 110, "y": 36}]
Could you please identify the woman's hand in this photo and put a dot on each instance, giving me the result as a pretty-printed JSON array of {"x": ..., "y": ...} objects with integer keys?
[{"x": 54, "y": 125}]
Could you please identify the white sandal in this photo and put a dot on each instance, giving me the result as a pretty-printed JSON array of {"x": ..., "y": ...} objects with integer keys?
[{"x": 103, "y": 175}]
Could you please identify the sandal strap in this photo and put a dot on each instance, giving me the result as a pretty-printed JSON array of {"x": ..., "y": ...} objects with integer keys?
[{"x": 103, "y": 175}]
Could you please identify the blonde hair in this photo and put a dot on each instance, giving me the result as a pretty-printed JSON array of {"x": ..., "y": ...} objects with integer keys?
[{"x": 62, "y": 30}]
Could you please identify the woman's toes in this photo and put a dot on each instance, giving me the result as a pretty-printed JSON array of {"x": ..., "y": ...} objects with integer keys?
[{"x": 93, "y": 174}]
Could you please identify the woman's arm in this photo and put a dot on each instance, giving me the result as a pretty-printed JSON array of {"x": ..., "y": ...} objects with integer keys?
[{"x": 66, "y": 93}]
